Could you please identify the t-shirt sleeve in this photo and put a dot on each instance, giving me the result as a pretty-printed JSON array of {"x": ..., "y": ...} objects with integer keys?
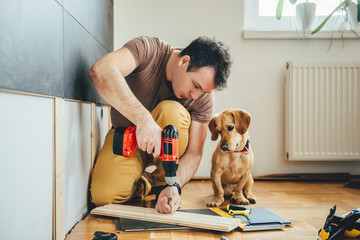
[
  {"x": 141, "y": 49},
  {"x": 202, "y": 109}
]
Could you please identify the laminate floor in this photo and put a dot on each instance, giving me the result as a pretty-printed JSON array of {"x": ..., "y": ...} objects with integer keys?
[{"x": 306, "y": 204}]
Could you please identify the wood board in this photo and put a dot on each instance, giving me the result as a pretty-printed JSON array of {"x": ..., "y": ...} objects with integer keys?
[
  {"x": 179, "y": 218},
  {"x": 59, "y": 170}
]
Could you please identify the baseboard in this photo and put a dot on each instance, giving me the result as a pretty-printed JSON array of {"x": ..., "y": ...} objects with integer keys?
[
  {"x": 326, "y": 177},
  {"x": 354, "y": 182}
]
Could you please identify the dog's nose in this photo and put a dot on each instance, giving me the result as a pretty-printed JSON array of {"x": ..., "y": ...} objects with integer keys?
[{"x": 224, "y": 147}]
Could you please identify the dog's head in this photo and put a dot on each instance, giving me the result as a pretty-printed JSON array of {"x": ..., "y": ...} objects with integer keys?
[{"x": 231, "y": 124}]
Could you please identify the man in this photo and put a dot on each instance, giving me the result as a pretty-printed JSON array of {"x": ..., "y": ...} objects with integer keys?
[{"x": 150, "y": 85}]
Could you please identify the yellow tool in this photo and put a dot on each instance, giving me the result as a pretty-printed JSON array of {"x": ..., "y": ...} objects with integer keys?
[
  {"x": 220, "y": 212},
  {"x": 336, "y": 226},
  {"x": 225, "y": 214},
  {"x": 238, "y": 210}
]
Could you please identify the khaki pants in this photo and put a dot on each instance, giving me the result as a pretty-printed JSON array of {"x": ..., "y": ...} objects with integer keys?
[{"x": 117, "y": 179}]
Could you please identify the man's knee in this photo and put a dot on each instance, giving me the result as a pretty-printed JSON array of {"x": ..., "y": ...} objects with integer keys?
[
  {"x": 111, "y": 192},
  {"x": 114, "y": 178},
  {"x": 171, "y": 112}
]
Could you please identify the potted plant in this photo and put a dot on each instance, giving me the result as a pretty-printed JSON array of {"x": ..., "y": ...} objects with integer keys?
[
  {"x": 280, "y": 6},
  {"x": 345, "y": 5},
  {"x": 354, "y": 15},
  {"x": 305, "y": 12}
]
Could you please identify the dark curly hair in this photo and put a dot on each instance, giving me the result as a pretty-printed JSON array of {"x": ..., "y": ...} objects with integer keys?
[{"x": 206, "y": 51}]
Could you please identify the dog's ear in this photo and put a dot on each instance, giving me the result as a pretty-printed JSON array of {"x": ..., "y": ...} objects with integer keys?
[
  {"x": 212, "y": 127},
  {"x": 242, "y": 120}
]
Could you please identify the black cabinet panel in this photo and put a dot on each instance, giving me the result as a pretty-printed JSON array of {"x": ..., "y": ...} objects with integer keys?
[
  {"x": 96, "y": 18},
  {"x": 83, "y": 11},
  {"x": 49, "y": 50},
  {"x": 81, "y": 51},
  {"x": 31, "y": 46},
  {"x": 60, "y": 2},
  {"x": 104, "y": 24}
]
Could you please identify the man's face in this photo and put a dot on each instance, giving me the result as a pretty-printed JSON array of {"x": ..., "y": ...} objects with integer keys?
[{"x": 189, "y": 85}]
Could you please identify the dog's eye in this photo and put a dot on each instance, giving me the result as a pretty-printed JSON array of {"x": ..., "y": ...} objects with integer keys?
[
  {"x": 230, "y": 128},
  {"x": 218, "y": 131}
]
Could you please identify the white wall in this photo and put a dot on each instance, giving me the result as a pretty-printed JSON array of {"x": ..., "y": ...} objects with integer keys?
[{"x": 257, "y": 80}]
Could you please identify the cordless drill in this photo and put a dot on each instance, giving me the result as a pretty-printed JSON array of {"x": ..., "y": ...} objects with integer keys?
[
  {"x": 125, "y": 144},
  {"x": 170, "y": 154}
]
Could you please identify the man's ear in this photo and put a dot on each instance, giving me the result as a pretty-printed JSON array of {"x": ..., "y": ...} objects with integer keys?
[
  {"x": 242, "y": 120},
  {"x": 184, "y": 60},
  {"x": 212, "y": 128}
]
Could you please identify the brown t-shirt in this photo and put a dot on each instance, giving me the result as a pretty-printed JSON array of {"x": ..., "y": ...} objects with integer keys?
[{"x": 149, "y": 84}]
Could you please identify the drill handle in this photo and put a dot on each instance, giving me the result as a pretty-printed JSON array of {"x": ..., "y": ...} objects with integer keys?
[{"x": 169, "y": 144}]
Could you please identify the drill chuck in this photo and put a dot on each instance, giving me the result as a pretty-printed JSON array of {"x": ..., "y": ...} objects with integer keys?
[{"x": 170, "y": 180}]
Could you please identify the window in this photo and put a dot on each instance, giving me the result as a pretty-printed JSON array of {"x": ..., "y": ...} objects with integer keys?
[{"x": 260, "y": 15}]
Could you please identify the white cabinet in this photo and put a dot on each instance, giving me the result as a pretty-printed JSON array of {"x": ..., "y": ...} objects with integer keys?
[
  {"x": 77, "y": 161},
  {"x": 26, "y": 166},
  {"x": 41, "y": 136}
]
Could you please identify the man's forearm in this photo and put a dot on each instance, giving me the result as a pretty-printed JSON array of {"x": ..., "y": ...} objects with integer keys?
[
  {"x": 188, "y": 165},
  {"x": 190, "y": 161}
]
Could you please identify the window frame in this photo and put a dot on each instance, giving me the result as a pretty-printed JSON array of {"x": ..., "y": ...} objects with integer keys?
[{"x": 254, "y": 22}]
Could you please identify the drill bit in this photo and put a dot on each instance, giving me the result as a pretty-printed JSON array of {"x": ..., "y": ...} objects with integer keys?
[
  {"x": 170, "y": 199},
  {"x": 170, "y": 181}
]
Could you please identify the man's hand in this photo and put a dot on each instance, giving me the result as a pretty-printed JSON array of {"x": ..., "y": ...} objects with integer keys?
[
  {"x": 164, "y": 204},
  {"x": 108, "y": 76},
  {"x": 148, "y": 136}
]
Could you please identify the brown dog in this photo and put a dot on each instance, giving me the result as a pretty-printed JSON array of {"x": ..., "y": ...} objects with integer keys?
[{"x": 232, "y": 159}]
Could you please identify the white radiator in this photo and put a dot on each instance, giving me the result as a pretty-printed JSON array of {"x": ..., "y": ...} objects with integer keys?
[{"x": 322, "y": 113}]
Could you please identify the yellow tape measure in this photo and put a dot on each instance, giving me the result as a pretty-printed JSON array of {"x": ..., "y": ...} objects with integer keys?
[
  {"x": 225, "y": 214},
  {"x": 220, "y": 212}
]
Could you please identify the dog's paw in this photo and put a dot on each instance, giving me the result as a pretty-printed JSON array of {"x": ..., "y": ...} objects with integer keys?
[
  {"x": 251, "y": 198},
  {"x": 228, "y": 194},
  {"x": 215, "y": 203},
  {"x": 241, "y": 201}
]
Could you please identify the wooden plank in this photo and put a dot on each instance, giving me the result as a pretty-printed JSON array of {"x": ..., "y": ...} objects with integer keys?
[
  {"x": 93, "y": 134},
  {"x": 179, "y": 218},
  {"x": 59, "y": 158}
]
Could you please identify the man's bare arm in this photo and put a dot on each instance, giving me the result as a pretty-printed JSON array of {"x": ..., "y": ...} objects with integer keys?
[
  {"x": 190, "y": 161},
  {"x": 107, "y": 75}
]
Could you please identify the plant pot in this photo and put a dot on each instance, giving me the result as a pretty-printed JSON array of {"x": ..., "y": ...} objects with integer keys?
[
  {"x": 353, "y": 16},
  {"x": 305, "y": 15}
]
